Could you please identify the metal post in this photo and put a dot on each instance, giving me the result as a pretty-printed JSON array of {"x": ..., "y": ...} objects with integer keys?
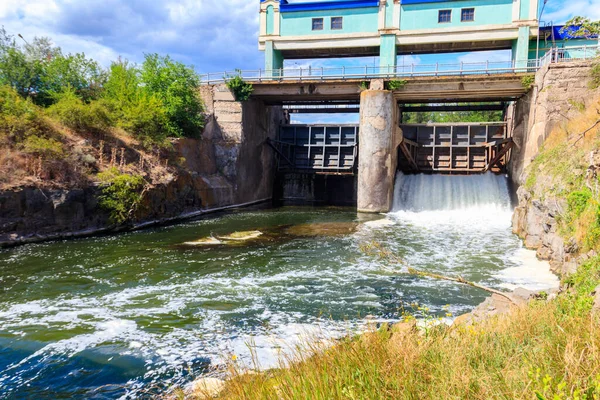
[
  {"x": 344, "y": 72},
  {"x": 436, "y": 68}
]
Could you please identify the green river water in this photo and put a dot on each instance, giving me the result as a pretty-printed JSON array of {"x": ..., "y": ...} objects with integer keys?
[{"x": 135, "y": 314}]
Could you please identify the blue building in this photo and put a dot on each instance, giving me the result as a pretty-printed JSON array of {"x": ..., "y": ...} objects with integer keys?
[{"x": 388, "y": 28}]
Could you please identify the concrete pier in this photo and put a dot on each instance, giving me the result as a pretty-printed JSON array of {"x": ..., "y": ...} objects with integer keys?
[{"x": 377, "y": 154}]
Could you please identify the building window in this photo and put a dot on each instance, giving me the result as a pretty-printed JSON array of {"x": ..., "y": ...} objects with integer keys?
[
  {"x": 317, "y": 24},
  {"x": 467, "y": 15},
  {"x": 444, "y": 16},
  {"x": 337, "y": 23}
]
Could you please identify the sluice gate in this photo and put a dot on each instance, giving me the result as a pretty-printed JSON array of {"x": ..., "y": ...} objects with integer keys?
[
  {"x": 324, "y": 149},
  {"x": 454, "y": 148}
]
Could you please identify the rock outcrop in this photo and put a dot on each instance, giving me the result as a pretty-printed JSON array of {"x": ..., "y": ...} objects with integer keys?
[{"x": 561, "y": 91}]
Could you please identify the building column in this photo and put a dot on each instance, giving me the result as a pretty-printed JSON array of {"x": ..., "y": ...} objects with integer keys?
[
  {"x": 273, "y": 60},
  {"x": 377, "y": 154},
  {"x": 521, "y": 48},
  {"x": 387, "y": 54}
]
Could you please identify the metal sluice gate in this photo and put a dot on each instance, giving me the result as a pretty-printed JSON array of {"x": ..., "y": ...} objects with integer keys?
[{"x": 462, "y": 148}]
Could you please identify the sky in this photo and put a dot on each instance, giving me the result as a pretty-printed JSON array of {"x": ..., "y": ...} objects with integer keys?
[{"x": 211, "y": 35}]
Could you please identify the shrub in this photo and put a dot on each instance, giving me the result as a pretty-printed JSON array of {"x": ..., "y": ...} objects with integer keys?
[
  {"x": 527, "y": 81},
  {"x": 177, "y": 87},
  {"x": 19, "y": 117},
  {"x": 241, "y": 89},
  {"x": 146, "y": 119},
  {"x": 137, "y": 111},
  {"x": 77, "y": 115},
  {"x": 121, "y": 194},
  {"x": 45, "y": 147},
  {"x": 577, "y": 202},
  {"x": 396, "y": 84}
]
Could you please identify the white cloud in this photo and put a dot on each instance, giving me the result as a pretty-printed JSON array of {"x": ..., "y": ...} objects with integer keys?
[{"x": 559, "y": 12}]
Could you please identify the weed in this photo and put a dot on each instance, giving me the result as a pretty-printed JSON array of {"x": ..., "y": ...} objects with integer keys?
[
  {"x": 527, "y": 81},
  {"x": 121, "y": 194},
  {"x": 240, "y": 88},
  {"x": 395, "y": 84}
]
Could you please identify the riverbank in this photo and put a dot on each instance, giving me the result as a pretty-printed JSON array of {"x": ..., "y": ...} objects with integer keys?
[{"x": 546, "y": 348}]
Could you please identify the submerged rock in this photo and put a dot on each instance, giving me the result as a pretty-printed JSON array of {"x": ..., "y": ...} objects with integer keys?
[
  {"x": 241, "y": 236},
  {"x": 323, "y": 229},
  {"x": 207, "y": 241},
  {"x": 235, "y": 237}
]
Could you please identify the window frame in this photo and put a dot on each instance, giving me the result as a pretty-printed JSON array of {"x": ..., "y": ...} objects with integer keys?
[
  {"x": 462, "y": 10},
  {"x": 341, "y": 24},
  {"x": 449, "y": 11},
  {"x": 322, "y": 24}
]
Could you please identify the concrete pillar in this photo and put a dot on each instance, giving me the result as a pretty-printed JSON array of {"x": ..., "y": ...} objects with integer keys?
[
  {"x": 521, "y": 48},
  {"x": 377, "y": 155},
  {"x": 387, "y": 54},
  {"x": 273, "y": 60}
]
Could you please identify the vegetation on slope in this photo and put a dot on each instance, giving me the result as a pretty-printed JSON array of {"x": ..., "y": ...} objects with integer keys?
[
  {"x": 65, "y": 121},
  {"x": 567, "y": 168}
]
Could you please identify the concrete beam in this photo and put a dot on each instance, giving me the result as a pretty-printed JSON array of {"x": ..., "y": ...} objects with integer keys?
[
  {"x": 431, "y": 89},
  {"x": 377, "y": 152}
]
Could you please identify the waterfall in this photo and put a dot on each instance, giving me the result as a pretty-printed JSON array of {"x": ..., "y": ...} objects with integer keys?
[{"x": 418, "y": 193}]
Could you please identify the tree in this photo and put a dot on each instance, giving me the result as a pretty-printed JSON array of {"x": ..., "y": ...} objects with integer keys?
[
  {"x": 176, "y": 85},
  {"x": 39, "y": 70},
  {"x": 582, "y": 27}
]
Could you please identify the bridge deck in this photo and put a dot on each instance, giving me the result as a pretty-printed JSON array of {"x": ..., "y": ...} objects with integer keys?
[{"x": 432, "y": 89}]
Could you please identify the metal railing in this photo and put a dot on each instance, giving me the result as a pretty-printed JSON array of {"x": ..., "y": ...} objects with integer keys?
[
  {"x": 405, "y": 71},
  {"x": 570, "y": 53}
]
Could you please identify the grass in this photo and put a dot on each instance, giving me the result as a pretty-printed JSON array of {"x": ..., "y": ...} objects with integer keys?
[{"x": 545, "y": 350}]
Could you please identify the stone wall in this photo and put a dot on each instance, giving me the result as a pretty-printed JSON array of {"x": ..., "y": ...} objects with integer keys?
[
  {"x": 236, "y": 133},
  {"x": 560, "y": 91}
]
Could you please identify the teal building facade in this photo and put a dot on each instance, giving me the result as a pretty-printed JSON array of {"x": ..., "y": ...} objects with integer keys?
[{"x": 388, "y": 28}]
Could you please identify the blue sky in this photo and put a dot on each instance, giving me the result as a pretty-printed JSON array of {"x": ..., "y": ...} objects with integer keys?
[{"x": 211, "y": 35}]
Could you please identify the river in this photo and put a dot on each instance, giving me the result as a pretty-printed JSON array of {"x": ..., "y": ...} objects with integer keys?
[{"x": 134, "y": 314}]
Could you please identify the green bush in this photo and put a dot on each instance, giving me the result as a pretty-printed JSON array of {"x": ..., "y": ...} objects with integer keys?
[
  {"x": 19, "y": 117},
  {"x": 396, "y": 84},
  {"x": 177, "y": 87},
  {"x": 44, "y": 147},
  {"x": 241, "y": 89},
  {"x": 146, "y": 119},
  {"x": 121, "y": 194},
  {"x": 577, "y": 202},
  {"x": 70, "y": 110},
  {"x": 527, "y": 81}
]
